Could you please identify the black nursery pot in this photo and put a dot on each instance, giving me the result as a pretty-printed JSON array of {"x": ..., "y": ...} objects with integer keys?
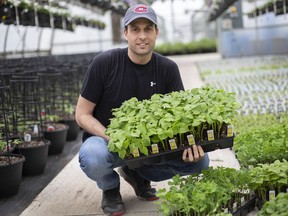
[
  {"x": 73, "y": 130},
  {"x": 36, "y": 159},
  {"x": 11, "y": 177},
  {"x": 57, "y": 140}
]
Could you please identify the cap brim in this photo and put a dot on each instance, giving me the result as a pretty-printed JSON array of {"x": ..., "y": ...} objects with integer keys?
[{"x": 140, "y": 16}]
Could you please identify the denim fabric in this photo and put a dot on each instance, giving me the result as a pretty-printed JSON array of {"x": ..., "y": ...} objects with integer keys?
[{"x": 98, "y": 164}]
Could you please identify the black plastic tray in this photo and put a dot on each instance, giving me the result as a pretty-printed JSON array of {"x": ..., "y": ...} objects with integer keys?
[
  {"x": 177, "y": 153},
  {"x": 246, "y": 208}
]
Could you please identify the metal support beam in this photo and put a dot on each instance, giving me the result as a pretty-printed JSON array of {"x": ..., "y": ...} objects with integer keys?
[
  {"x": 39, "y": 41},
  {"x": 5, "y": 40},
  {"x": 24, "y": 42}
]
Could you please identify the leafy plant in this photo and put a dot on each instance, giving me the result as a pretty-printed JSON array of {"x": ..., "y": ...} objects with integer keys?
[
  {"x": 265, "y": 177},
  {"x": 262, "y": 145},
  {"x": 275, "y": 207},
  {"x": 138, "y": 124},
  {"x": 210, "y": 193}
]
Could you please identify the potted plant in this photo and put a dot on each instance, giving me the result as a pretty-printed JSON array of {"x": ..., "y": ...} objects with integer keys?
[
  {"x": 52, "y": 105},
  {"x": 10, "y": 171},
  {"x": 68, "y": 118},
  {"x": 66, "y": 109},
  {"x": 35, "y": 149},
  {"x": 26, "y": 14},
  {"x": 55, "y": 132},
  {"x": 28, "y": 123},
  {"x": 164, "y": 125},
  {"x": 10, "y": 164}
]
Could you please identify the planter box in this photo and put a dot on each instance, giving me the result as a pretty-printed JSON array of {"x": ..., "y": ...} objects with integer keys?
[{"x": 177, "y": 153}]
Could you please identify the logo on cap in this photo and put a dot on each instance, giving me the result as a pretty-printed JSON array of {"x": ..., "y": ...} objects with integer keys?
[{"x": 141, "y": 9}]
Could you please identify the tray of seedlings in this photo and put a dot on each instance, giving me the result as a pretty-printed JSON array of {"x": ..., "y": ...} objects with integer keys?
[{"x": 159, "y": 129}]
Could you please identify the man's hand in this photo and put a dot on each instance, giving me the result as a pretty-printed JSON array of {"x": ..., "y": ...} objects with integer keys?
[{"x": 193, "y": 155}]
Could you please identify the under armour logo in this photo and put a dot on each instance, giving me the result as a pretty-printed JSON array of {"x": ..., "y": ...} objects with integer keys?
[{"x": 152, "y": 83}]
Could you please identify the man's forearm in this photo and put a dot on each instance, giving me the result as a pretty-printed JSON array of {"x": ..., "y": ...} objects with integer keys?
[{"x": 92, "y": 126}]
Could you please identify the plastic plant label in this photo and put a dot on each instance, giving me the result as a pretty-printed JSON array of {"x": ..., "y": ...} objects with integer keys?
[
  {"x": 27, "y": 137},
  {"x": 136, "y": 152},
  {"x": 242, "y": 201},
  {"x": 172, "y": 144},
  {"x": 229, "y": 131},
  {"x": 35, "y": 130},
  {"x": 155, "y": 148},
  {"x": 271, "y": 194},
  {"x": 191, "y": 139},
  {"x": 210, "y": 135},
  {"x": 225, "y": 210},
  {"x": 234, "y": 206}
]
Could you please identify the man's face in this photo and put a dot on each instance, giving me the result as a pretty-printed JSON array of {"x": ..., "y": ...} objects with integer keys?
[{"x": 141, "y": 35}]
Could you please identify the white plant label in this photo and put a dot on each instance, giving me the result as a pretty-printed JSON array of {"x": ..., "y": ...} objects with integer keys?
[
  {"x": 210, "y": 135},
  {"x": 242, "y": 201},
  {"x": 229, "y": 131},
  {"x": 234, "y": 206},
  {"x": 136, "y": 152},
  {"x": 35, "y": 130},
  {"x": 271, "y": 194},
  {"x": 27, "y": 137},
  {"x": 172, "y": 144},
  {"x": 155, "y": 148},
  {"x": 191, "y": 139}
]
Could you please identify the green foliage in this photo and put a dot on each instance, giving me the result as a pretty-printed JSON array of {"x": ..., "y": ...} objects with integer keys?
[
  {"x": 5, "y": 144},
  {"x": 262, "y": 139},
  {"x": 266, "y": 177},
  {"x": 141, "y": 123},
  {"x": 275, "y": 207},
  {"x": 201, "y": 46},
  {"x": 246, "y": 123},
  {"x": 207, "y": 194}
]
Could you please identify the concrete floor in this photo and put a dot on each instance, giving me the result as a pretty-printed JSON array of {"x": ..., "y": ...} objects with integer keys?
[{"x": 72, "y": 193}]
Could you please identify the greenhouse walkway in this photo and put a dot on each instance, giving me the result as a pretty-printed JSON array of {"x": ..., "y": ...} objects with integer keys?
[{"x": 72, "y": 193}]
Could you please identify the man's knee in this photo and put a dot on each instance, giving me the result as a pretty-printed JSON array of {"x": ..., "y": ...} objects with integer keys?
[{"x": 93, "y": 155}]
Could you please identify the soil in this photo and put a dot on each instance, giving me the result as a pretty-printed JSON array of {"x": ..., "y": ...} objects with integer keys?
[
  {"x": 31, "y": 144},
  {"x": 6, "y": 160},
  {"x": 56, "y": 126}
]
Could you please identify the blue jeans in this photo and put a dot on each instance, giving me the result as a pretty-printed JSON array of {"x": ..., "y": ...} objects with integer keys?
[{"x": 98, "y": 164}]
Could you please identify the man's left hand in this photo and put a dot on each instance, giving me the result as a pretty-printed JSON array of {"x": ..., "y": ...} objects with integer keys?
[{"x": 193, "y": 155}]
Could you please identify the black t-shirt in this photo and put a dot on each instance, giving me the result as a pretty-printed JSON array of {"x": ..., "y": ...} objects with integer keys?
[{"x": 112, "y": 78}]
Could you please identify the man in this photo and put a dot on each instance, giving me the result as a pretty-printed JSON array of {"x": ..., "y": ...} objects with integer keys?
[{"x": 113, "y": 77}]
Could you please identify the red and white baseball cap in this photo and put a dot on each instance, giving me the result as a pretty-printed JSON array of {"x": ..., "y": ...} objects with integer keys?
[{"x": 140, "y": 11}]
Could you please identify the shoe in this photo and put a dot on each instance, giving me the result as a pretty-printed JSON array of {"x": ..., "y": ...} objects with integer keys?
[
  {"x": 112, "y": 203},
  {"x": 141, "y": 186}
]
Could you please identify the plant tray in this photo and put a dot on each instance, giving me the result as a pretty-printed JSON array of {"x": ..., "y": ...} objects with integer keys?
[
  {"x": 246, "y": 208},
  {"x": 161, "y": 157}
]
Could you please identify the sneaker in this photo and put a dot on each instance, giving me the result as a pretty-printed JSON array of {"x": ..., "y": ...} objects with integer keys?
[
  {"x": 141, "y": 186},
  {"x": 112, "y": 203}
]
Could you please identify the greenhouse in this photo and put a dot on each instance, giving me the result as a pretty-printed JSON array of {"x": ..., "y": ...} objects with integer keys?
[{"x": 186, "y": 101}]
